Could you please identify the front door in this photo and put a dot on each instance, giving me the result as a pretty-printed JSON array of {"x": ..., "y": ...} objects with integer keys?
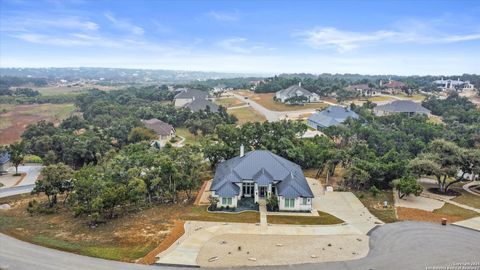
[{"x": 263, "y": 191}]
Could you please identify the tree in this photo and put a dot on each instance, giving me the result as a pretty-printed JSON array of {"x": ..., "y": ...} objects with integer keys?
[
  {"x": 139, "y": 134},
  {"x": 17, "y": 153},
  {"x": 56, "y": 179},
  {"x": 406, "y": 186},
  {"x": 444, "y": 160}
]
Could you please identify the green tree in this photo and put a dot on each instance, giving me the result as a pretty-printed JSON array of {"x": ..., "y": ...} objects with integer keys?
[
  {"x": 56, "y": 179},
  {"x": 406, "y": 186},
  {"x": 17, "y": 153}
]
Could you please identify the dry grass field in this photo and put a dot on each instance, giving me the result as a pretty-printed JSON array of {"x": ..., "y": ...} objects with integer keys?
[
  {"x": 15, "y": 118},
  {"x": 229, "y": 102},
  {"x": 77, "y": 89},
  {"x": 247, "y": 114}
]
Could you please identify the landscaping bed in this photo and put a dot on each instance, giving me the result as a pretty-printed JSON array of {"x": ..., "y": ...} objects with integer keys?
[{"x": 322, "y": 219}]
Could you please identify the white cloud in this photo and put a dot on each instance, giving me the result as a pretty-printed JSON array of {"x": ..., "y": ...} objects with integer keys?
[
  {"x": 330, "y": 37},
  {"x": 124, "y": 25},
  {"x": 223, "y": 16}
]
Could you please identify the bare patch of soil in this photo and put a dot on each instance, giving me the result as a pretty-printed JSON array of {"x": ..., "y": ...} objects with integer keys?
[{"x": 421, "y": 215}]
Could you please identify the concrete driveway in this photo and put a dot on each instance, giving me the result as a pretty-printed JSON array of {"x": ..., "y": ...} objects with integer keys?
[
  {"x": 28, "y": 182},
  {"x": 401, "y": 245},
  {"x": 348, "y": 207}
]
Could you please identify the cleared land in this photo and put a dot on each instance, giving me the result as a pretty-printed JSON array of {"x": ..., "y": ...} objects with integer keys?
[
  {"x": 76, "y": 89},
  {"x": 375, "y": 204},
  {"x": 322, "y": 219},
  {"x": 247, "y": 114},
  {"x": 449, "y": 211},
  {"x": 266, "y": 100},
  {"x": 129, "y": 237},
  {"x": 229, "y": 102},
  {"x": 15, "y": 118}
]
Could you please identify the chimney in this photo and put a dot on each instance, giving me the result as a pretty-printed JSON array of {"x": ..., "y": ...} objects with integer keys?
[{"x": 242, "y": 150}]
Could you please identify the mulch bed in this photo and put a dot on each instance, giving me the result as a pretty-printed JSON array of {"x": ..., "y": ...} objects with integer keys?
[{"x": 450, "y": 192}]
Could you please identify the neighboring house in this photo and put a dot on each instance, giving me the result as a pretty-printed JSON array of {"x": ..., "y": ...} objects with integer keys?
[
  {"x": 164, "y": 130},
  {"x": 296, "y": 91},
  {"x": 393, "y": 87},
  {"x": 258, "y": 175},
  {"x": 364, "y": 90},
  {"x": 195, "y": 100},
  {"x": 456, "y": 85},
  {"x": 331, "y": 116},
  {"x": 4, "y": 160},
  {"x": 400, "y": 106},
  {"x": 201, "y": 104},
  {"x": 188, "y": 95}
]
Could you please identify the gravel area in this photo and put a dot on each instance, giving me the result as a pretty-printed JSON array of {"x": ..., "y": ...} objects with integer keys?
[{"x": 259, "y": 250}]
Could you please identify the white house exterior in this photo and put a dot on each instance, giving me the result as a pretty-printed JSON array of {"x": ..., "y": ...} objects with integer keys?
[
  {"x": 260, "y": 174},
  {"x": 364, "y": 90},
  {"x": 296, "y": 91}
]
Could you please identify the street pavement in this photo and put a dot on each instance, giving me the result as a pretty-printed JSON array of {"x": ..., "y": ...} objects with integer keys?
[
  {"x": 28, "y": 182},
  {"x": 401, "y": 245}
]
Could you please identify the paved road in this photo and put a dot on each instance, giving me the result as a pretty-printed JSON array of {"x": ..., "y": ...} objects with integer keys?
[
  {"x": 27, "y": 184},
  {"x": 402, "y": 245}
]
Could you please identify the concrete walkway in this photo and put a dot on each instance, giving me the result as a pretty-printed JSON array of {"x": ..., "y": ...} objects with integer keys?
[
  {"x": 467, "y": 186},
  {"x": 472, "y": 223},
  {"x": 422, "y": 203},
  {"x": 441, "y": 198},
  {"x": 262, "y": 207}
]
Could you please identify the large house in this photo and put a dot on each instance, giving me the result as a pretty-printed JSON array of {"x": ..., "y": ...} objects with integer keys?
[
  {"x": 4, "y": 160},
  {"x": 195, "y": 100},
  {"x": 400, "y": 106},
  {"x": 258, "y": 175},
  {"x": 363, "y": 90},
  {"x": 164, "y": 130},
  {"x": 449, "y": 84},
  {"x": 296, "y": 91},
  {"x": 332, "y": 116},
  {"x": 393, "y": 87}
]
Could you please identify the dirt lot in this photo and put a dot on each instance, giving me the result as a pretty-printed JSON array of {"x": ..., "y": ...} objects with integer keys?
[{"x": 15, "y": 118}]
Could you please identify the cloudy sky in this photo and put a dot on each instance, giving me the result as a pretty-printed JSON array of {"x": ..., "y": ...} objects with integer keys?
[{"x": 368, "y": 37}]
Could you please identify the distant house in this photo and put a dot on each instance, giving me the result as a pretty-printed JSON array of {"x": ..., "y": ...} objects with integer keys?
[
  {"x": 164, "y": 130},
  {"x": 4, "y": 160},
  {"x": 195, "y": 100},
  {"x": 393, "y": 87},
  {"x": 363, "y": 90},
  {"x": 400, "y": 106},
  {"x": 257, "y": 175},
  {"x": 202, "y": 104},
  {"x": 296, "y": 91},
  {"x": 456, "y": 85},
  {"x": 331, "y": 116},
  {"x": 189, "y": 95}
]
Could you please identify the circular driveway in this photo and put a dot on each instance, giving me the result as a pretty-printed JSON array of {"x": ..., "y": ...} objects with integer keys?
[{"x": 401, "y": 245}]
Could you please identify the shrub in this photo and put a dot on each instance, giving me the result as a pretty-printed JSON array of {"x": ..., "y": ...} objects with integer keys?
[
  {"x": 228, "y": 207},
  {"x": 272, "y": 203},
  {"x": 32, "y": 159},
  {"x": 374, "y": 190}
]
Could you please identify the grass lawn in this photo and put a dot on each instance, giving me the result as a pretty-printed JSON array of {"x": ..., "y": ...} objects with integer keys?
[
  {"x": 415, "y": 97},
  {"x": 229, "y": 102},
  {"x": 375, "y": 204},
  {"x": 247, "y": 114},
  {"x": 200, "y": 213},
  {"x": 322, "y": 219},
  {"x": 467, "y": 198},
  {"x": 189, "y": 137},
  {"x": 380, "y": 99},
  {"x": 266, "y": 100},
  {"x": 453, "y": 210}
]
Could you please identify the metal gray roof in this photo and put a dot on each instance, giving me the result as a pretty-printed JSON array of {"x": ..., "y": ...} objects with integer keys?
[
  {"x": 402, "y": 106},
  {"x": 192, "y": 93},
  {"x": 293, "y": 91},
  {"x": 201, "y": 104},
  {"x": 262, "y": 167},
  {"x": 333, "y": 115},
  {"x": 4, "y": 157}
]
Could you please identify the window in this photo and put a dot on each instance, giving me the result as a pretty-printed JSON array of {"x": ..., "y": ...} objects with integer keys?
[
  {"x": 289, "y": 202},
  {"x": 304, "y": 201},
  {"x": 226, "y": 201}
]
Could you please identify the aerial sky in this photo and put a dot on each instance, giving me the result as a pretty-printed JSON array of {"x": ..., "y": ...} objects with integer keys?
[{"x": 267, "y": 37}]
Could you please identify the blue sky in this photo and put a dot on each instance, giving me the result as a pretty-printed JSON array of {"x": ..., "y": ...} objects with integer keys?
[{"x": 368, "y": 37}]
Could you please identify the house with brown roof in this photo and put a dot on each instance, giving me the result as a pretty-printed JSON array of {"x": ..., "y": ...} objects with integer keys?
[
  {"x": 393, "y": 87},
  {"x": 164, "y": 130}
]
